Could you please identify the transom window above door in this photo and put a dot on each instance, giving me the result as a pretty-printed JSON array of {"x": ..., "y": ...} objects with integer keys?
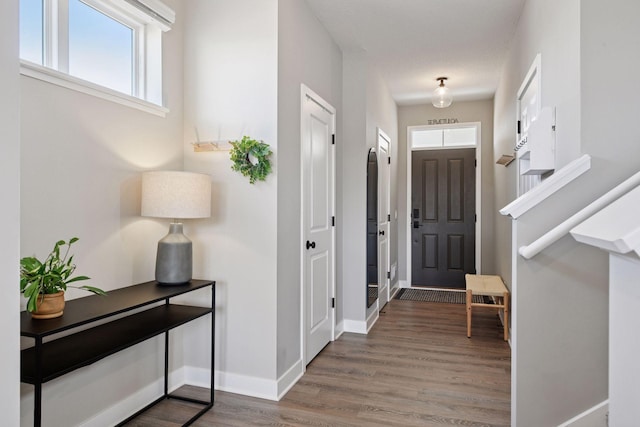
[{"x": 433, "y": 137}]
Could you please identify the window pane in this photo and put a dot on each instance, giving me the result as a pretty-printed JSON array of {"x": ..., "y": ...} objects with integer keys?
[
  {"x": 426, "y": 138},
  {"x": 459, "y": 136},
  {"x": 100, "y": 48},
  {"x": 31, "y": 30}
]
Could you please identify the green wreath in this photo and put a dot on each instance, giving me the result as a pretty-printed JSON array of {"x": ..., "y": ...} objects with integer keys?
[{"x": 243, "y": 154}]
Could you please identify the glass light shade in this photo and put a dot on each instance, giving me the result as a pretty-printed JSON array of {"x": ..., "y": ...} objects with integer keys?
[
  {"x": 178, "y": 195},
  {"x": 442, "y": 97}
]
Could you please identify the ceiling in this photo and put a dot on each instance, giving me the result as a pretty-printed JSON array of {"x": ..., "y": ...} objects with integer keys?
[{"x": 412, "y": 42}]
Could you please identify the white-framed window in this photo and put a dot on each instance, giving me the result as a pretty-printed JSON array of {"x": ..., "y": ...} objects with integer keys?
[
  {"x": 108, "y": 48},
  {"x": 443, "y": 136}
]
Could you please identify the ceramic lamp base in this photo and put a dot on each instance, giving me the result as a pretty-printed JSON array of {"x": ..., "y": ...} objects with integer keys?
[{"x": 174, "y": 260}]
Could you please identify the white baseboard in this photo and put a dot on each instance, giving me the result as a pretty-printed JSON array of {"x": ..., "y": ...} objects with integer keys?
[
  {"x": 261, "y": 388},
  {"x": 290, "y": 378},
  {"x": 246, "y": 385},
  {"x": 382, "y": 294},
  {"x": 404, "y": 284},
  {"x": 233, "y": 383},
  {"x": 359, "y": 326},
  {"x": 372, "y": 319},
  {"x": 394, "y": 290},
  {"x": 339, "y": 330},
  {"x": 354, "y": 326},
  {"x": 134, "y": 402},
  {"x": 593, "y": 417}
]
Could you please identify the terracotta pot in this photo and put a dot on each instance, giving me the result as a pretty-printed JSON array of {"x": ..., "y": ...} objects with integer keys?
[{"x": 49, "y": 307}]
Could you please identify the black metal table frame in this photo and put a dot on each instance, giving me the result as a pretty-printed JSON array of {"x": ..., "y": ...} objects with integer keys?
[
  {"x": 38, "y": 380},
  {"x": 209, "y": 404}
]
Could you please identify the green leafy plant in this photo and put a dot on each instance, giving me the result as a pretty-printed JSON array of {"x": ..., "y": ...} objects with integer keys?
[
  {"x": 251, "y": 158},
  {"x": 51, "y": 276}
]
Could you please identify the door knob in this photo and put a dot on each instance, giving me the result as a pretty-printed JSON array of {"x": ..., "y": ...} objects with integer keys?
[
  {"x": 311, "y": 245},
  {"x": 416, "y": 224},
  {"x": 381, "y": 232}
]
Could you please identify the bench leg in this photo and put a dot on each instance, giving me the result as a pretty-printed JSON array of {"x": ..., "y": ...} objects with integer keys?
[
  {"x": 505, "y": 311},
  {"x": 469, "y": 300}
]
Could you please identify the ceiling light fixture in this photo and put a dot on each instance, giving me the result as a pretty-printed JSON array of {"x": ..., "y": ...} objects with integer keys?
[{"x": 442, "y": 95}]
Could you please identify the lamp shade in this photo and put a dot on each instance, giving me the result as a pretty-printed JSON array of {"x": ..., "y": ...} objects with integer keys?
[{"x": 173, "y": 194}]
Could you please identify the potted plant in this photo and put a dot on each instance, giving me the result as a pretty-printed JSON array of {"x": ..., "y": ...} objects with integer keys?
[{"x": 44, "y": 283}]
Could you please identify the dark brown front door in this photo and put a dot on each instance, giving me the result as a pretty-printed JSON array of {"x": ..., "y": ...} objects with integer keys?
[{"x": 443, "y": 217}]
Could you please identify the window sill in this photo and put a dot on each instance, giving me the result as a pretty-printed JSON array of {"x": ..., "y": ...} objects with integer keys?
[{"x": 49, "y": 75}]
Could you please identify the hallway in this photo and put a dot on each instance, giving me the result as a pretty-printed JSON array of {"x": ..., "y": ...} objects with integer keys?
[{"x": 415, "y": 368}]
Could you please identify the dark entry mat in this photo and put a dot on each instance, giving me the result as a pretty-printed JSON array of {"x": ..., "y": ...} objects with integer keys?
[{"x": 437, "y": 295}]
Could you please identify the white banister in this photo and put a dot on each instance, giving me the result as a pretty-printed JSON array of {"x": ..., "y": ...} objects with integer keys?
[
  {"x": 546, "y": 188},
  {"x": 561, "y": 230}
]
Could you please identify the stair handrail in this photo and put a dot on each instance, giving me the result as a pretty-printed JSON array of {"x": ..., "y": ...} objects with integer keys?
[{"x": 556, "y": 233}]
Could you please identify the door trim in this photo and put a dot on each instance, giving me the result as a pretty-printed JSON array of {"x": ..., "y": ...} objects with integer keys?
[
  {"x": 307, "y": 93},
  {"x": 382, "y": 135},
  {"x": 528, "y": 182},
  {"x": 478, "y": 147}
]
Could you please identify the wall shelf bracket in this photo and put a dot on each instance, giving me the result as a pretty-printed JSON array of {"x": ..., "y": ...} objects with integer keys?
[{"x": 204, "y": 146}]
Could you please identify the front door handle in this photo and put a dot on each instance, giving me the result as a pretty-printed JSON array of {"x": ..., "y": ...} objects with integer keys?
[
  {"x": 416, "y": 224},
  {"x": 311, "y": 245},
  {"x": 381, "y": 233}
]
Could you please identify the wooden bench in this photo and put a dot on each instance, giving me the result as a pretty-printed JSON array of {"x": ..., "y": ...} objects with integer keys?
[{"x": 493, "y": 286}]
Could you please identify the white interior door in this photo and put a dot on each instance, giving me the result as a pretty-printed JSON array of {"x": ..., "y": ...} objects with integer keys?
[
  {"x": 384, "y": 216},
  {"x": 318, "y": 232}
]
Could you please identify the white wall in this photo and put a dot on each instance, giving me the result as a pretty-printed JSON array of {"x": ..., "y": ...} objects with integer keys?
[
  {"x": 10, "y": 213},
  {"x": 552, "y": 29},
  {"x": 367, "y": 105},
  {"x": 80, "y": 176},
  {"x": 352, "y": 154},
  {"x": 609, "y": 40},
  {"x": 382, "y": 112},
  {"x": 560, "y": 299},
  {"x": 230, "y": 90},
  {"x": 473, "y": 111},
  {"x": 306, "y": 54}
]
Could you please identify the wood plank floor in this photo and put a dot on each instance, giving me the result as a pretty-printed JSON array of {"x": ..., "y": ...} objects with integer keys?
[{"x": 415, "y": 368}]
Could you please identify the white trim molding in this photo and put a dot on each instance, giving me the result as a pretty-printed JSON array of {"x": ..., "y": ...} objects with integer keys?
[
  {"x": 616, "y": 227},
  {"x": 58, "y": 78},
  {"x": 136, "y": 401},
  {"x": 339, "y": 330},
  {"x": 592, "y": 417},
  {"x": 612, "y": 221},
  {"x": 357, "y": 326},
  {"x": 478, "y": 207},
  {"x": 290, "y": 378},
  {"x": 261, "y": 388},
  {"x": 549, "y": 186}
]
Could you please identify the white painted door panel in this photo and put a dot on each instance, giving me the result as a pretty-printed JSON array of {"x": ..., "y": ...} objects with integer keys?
[
  {"x": 384, "y": 212},
  {"x": 318, "y": 124}
]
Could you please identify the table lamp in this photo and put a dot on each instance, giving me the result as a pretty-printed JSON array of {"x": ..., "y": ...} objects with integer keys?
[{"x": 175, "y": 195}]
